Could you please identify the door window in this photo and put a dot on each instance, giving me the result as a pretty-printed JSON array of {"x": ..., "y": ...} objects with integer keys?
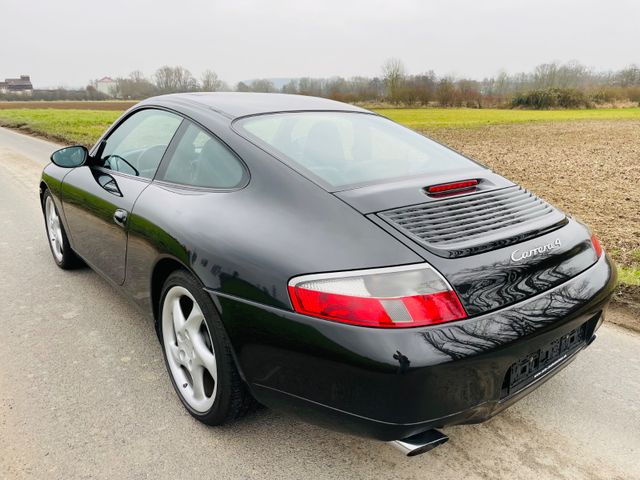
[
  {"x": 201, "y": 160},
  {"x": 137, "y": 145}
]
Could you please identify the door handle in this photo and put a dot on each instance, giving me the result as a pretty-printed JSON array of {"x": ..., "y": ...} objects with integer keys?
[{"x": 120, "y": 217}]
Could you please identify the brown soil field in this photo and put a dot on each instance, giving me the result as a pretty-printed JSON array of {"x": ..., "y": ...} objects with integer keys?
[{"x": 69, "y": 104}]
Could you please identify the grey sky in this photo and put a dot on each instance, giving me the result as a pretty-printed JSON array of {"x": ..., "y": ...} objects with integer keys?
[{"x": 69, "y": 42}]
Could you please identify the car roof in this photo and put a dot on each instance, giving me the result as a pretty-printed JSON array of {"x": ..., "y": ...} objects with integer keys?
[{"x": 240, "y": 104}]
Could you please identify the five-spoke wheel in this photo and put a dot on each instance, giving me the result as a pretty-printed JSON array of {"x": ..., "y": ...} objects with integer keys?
[
  {"x": 190, "y": 354},
  {"x": 62, "y": 253},
  {"x": 197, "y": 352},
  {"x": 54, "y": 230}
]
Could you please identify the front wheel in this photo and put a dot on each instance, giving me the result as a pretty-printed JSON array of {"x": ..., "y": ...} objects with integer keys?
[
  {"x": 198, "y": 354},
  {"x": 58, "y": 242}
]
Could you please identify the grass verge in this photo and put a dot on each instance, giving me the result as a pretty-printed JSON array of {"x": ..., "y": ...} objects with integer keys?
[
  {"x": 429, "y": 118},
  {"x": 69, "y": 126}
]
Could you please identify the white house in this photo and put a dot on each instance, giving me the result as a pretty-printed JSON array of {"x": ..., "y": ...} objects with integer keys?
[{"x": 106, "y": 85}]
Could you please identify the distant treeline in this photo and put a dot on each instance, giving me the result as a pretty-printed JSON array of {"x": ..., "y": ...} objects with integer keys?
[{"x": 551, "y": 85}]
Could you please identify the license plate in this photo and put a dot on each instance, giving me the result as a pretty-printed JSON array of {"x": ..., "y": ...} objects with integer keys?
[{"x": 535, "y": 365}]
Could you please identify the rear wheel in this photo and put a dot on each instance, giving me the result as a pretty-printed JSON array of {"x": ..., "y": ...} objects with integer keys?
[
  {"x": 58, "y": 242},
  {"x": 198, "y": 354}
]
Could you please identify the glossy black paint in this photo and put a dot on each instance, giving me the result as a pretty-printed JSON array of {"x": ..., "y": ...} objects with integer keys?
[
  {"x": 392, "y": 384},
  {"x": 91, "y": 197},
  {"x": 245, "y": 244}
]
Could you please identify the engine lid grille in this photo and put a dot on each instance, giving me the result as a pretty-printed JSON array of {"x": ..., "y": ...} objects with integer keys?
[{"x": 470, "y": 224}]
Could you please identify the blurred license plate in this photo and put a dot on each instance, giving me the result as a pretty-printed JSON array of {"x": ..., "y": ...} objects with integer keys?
[{"x": 535, "y": 365}]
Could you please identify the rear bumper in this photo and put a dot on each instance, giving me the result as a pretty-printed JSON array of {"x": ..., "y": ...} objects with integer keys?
[{"x": 390, "y": 384}]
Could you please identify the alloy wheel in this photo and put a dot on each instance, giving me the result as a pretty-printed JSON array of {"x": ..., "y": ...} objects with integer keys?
[
  {"x": 54, "y": 229},
  {"x": 189, "y": 349}
]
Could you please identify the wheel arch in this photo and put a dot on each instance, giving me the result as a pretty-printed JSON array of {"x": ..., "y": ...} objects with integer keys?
[
  {"x": 164, "y": 267},
  {"x": 43, "y": 187}
]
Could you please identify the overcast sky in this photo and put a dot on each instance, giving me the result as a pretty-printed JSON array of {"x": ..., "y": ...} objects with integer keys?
[{"x": 69, "y": 42}]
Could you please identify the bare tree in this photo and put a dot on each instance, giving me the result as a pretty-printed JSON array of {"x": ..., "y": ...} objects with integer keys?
[
  {"x": 175, "y": 79},
  {"x": 242, "y": 87},
  {"x": 446, "y": 92},
  {"x": 135, "y": 86},
  {"x": 469, "y": 93},
  {"x": 628, "y": 76},
  {"x": 310, "y": 86},
  {"x": 393, "y": 73},
  {"x": 546, "y": 75},
  {"x": 501, "y": 84},
  {"x": 165, "y": 79},
  {"x": 262, "y": 85},
  {"x": 210, "y": 82},
  {"x": 137, "y": 76},
  {"x": 185, "y": 81},
  {"x": 290, "y": 87}
]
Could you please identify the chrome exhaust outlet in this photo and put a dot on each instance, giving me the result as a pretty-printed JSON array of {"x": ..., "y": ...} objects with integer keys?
[{"x": 420, "y": 443}]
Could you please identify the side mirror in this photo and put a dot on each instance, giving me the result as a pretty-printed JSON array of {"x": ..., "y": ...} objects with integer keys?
[{"x": 70, "y": 157}]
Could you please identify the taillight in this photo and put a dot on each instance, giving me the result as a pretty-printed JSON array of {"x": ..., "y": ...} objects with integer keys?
[
  {"x": 596, "y": 245},
  {"x": 396, "y": 297}
]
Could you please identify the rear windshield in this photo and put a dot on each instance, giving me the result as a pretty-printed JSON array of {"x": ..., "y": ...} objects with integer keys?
[{"x": 347, "y": 149}]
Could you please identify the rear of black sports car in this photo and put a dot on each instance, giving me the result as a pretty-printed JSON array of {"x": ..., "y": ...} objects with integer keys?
[
  {"x": 521, "y": 322},
  {"x": 505, "y": 292}
]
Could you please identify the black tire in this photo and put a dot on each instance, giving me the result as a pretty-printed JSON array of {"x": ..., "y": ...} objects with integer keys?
[
  {"x": 66, "y": 258},
  {"x": 232, "y": 398}
]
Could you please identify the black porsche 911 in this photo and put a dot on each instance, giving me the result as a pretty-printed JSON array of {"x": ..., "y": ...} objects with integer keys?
[{"x": 316, "y": 257}]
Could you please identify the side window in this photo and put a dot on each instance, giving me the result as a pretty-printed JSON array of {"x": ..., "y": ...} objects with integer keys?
[
  {"x": 137, "y": 145},
  {"x": 200, "y": 160}
]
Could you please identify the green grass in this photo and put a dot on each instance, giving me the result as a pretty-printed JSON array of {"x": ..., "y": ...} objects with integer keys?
[
  {"x": 629, "y": 275},
  {"x": 67, "y": 126},
  {"x": 429, "y": 118}
]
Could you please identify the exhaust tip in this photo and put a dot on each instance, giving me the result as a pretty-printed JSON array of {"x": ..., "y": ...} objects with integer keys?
[{"x": 420, "y": 443}]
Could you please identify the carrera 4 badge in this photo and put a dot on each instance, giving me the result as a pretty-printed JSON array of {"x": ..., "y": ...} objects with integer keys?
[{"x": 518, "y": 255}]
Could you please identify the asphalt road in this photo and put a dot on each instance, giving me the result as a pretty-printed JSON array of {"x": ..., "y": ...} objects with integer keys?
[{"x": 84, "y": 392}]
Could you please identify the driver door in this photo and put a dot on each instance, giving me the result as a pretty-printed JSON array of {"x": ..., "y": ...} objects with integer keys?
[{"x": 98, "y": 198}]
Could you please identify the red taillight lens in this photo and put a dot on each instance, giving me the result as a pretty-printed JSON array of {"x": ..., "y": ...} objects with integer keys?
[
  {"x": 596, "y": 245},
  {"x": 397, "y": 297}
]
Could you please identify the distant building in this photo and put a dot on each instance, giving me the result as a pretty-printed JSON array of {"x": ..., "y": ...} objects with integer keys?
[
  {"x": 106, "y": 85},
  {"x": 20, "y": 85}
]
